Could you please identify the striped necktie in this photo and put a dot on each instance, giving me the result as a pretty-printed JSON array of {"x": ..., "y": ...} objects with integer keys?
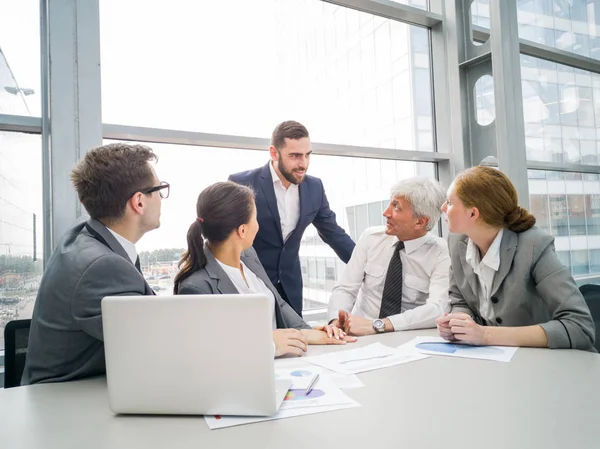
[{"x": 391, "y": 300}]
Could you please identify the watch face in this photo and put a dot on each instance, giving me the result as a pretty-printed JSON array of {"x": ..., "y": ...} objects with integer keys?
[{"x": 378, "y": 324}]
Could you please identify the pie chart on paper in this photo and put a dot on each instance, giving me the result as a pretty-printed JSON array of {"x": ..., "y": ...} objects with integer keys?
[
  {"x": 298, "y": 395},
  {"x": 301, "y": 373},
  {"x": 451, "y": 348}
]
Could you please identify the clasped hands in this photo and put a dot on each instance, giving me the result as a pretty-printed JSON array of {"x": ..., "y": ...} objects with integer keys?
[{"x": 460, "y": 327}]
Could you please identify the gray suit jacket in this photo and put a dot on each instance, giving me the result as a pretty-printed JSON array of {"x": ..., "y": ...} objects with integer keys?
[
  {"x": 530, "y": 287},
  {"x": 66, "y": 340},
  {"x": 212, "y": 280}
]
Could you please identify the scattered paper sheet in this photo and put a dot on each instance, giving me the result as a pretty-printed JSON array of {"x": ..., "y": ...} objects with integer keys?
[
  {"x": 218, "y": 422},
  {"x": 301, "y": 373},
  {"x": 323, "y": 394},
  {"x": 439, "y": 346},
  {"x": 367, "y": 358}
]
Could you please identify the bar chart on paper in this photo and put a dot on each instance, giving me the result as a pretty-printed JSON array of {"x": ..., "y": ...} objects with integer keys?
[{"x": 367, "y": 358}]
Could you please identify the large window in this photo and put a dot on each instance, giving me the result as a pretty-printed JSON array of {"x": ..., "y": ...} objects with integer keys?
[
  {"x": 567, "y": 205},
  {"x": 569, "y": 25},
  {"x": 350, "y": 77},
  {"x": 350, "y": 184},
  {"x": 561, "y": 106},
  {"x": 20, "y": 57},
  {"x": 20, "y": 225}
]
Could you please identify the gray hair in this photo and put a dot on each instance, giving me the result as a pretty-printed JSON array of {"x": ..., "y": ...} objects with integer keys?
[{"x": 426, "y": 197}]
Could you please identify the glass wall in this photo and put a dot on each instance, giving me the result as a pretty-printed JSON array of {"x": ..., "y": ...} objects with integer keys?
[
  {"x": 567, "y": 205},
  {"x": 348, "y": 76},
  {"x": 20, "y": 225},
  {"x": 20, "y": 57},
  {"x": 561, "y": 108},
  {"x": 568, "y": 25}
]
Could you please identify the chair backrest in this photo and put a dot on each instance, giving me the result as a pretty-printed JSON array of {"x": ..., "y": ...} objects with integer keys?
[
  {"x": 591, "y": 294},
  {"x": 16, "y": 337}
]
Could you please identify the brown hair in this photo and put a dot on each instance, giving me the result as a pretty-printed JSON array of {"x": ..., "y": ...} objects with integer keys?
[
  {"x": 490, "y": 191},
  {"x": 221, "y": 209},
  {"x": 109, "y": 175},
  {"x": 288, "y": 130}
]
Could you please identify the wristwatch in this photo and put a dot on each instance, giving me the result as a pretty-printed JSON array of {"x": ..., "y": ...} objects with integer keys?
[{"x": 379, "y": 326}]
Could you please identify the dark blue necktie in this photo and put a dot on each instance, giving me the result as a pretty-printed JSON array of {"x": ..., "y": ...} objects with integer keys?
[{"x": 391, "y": 300}]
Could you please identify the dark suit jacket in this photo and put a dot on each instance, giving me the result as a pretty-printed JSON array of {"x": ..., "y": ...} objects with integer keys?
[
  {"x": 530, "y": 287},
  {"x": 280, "y": 259},
  {"x": 212, "y": 280},
  {"x": 66, "y": 340}
]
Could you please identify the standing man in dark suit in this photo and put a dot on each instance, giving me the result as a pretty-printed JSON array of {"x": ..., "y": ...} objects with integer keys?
[
  {"x": 287, "y": 201},
  {"x": 120, "y": 191}
]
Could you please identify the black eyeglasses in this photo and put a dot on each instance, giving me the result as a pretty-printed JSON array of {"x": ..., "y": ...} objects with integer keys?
[{"x": 160, "y": 189}]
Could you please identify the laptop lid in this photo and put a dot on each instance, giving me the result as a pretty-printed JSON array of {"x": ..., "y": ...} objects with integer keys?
[{"x": 190, "y": 354}]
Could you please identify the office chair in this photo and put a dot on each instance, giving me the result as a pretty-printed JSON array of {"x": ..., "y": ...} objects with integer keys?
[
  {"x": 591, "y": 294},
  {"x": 16, "y": 337}
]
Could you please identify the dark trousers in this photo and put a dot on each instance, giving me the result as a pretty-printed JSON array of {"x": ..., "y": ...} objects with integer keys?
[{"x": 281, "y": 292}]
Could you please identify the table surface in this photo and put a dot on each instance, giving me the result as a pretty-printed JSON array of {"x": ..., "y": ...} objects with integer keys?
[{"x": 541, "y": 399}]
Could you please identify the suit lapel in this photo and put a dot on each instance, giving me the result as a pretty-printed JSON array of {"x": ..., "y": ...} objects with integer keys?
[
  {"x": 99, "y": 231},
  {"x": 254, "y": 265},
  {"x": 508, "y": 248},
  {"x": 304, "y": 195},
  {"x": 214, "y": 270},
  {"x": 102, "y": 234},
  {"x": 266, "y": 184},
  {"x": 467, "y": 268}
]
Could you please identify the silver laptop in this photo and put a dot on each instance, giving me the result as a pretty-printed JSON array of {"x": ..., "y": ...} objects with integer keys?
[{"x": 191, "y": 354}]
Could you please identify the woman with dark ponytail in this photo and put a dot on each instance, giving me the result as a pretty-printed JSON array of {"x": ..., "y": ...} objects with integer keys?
[
  {"x": 220, "y": 260},
  {"x": 507, "y": 286}
]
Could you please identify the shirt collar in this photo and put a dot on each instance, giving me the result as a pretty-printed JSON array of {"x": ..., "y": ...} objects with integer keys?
[
  {"x": 274, "y": 174},
  {"x": 414, "y": 244},
  {"x": 491, "y": 258},
  {"x": 127, "y": 246}
]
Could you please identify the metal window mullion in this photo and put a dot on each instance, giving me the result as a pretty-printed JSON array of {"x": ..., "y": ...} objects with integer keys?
[
  {"x": 20, "y": 124},
  {"x": 508, "y": 95},
  {"x": 199, "y": 139},
  {"x": 47, "y": 240},
  {"x": 392, "y": 10},
  {"x": 74, "y": 111}
]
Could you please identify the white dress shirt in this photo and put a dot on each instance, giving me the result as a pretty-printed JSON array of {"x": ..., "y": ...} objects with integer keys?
[
  {"x": 425, "y": 270},
  {"x": 127, "y": 246},
  {"x": 255, "y": 285},
  {"x": 288, "y": 204},
  {"x": 486, "y": 271}
]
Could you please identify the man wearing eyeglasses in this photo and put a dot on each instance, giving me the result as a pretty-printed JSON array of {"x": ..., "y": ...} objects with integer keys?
[{"x": 119, "y": 188}]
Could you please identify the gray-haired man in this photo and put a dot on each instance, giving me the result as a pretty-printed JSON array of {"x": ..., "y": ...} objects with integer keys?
[{"x": 397, "y": 278}]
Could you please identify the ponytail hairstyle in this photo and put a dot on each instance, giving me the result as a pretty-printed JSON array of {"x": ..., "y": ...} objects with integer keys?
[
  {"x": 221, "y": 209},
  {"x": 492, "y": 192}
]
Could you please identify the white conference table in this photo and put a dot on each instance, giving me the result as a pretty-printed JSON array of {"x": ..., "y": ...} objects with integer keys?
[{"x": 541, "y": 399}]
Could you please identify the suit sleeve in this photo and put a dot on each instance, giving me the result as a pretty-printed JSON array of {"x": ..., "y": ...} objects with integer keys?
[
  {"x": 331, "y": 232},
  {"x": 290, "y": 317},
  {"x": 572, "y": 325},
  {"x": 457, "y": 301},
  {"x": 109, "y": 275},
  {"x": 202, "y": 288}
]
